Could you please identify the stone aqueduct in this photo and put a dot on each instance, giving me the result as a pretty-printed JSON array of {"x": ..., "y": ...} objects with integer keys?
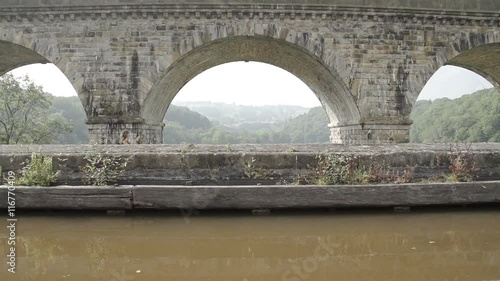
[{"x": 366, "y": 60}]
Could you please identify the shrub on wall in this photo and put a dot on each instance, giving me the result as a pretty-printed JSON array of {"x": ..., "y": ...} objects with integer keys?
[
  {"x": 102, "y": 168},
  {"x": 38, "y": 171}
]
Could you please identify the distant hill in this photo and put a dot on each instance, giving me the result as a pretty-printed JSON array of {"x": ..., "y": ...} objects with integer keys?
[
  {"x": 71, "y": 109},
  {"x": 229, "y": 123},
  {"x": 471, "y": 118},
  {"x": 310, "y": 127},
  {"x": 236, "y": 115},
  {"x": 187, "y": 118},
  {"x": 191, "y": 127}
]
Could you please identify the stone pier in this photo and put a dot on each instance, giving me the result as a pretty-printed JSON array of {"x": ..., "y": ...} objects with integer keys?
[{"x": 366, "y": 61}]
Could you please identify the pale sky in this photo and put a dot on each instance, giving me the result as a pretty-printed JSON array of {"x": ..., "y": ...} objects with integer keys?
[
  {"x": 453, "y": 82},
  {"x": 269, "y": 85}
]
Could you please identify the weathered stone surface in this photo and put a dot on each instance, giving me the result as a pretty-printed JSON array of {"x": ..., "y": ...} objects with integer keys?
[
  {"x": 218, "y": 165},
  {"x": 460, "y": 5},
  {"x": 367, "y": 61}
]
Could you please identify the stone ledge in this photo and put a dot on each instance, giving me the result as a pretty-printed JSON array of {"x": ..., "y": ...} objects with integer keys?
[
  {"x": 252, "y": 197},
  {"x": 81, "y": 149},
  {"x": 223, "y": 164},
  {"x": 252, "y": 11}
]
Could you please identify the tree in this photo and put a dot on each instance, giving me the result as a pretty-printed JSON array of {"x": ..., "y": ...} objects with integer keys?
[
  {"x": 471, "y": 118},
  {"x": 24, "y": 113},
  {"x": 70, "y": 109},
  {"x": 187, "y": 118}
]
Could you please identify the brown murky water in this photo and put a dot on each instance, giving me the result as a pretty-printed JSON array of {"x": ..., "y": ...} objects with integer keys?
[{"x": 325, "y": 246}]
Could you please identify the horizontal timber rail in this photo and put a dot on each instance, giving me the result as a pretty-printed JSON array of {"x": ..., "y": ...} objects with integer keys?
[{"x": 251, "y": 197}]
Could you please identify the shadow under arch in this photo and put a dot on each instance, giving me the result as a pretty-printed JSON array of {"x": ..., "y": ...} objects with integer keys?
[
  {"x": 13, "y": 56},
  {"x": 483, "y": 60},
  {"x": 16, "y": 54},
  {"x": 331, "y": 91}
]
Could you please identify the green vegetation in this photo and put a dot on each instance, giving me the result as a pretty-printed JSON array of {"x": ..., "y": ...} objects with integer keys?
[
  {"x": 38, "y": 171},
  {"x": 345, "y": 169},
  {"x": 253, "y": 171},
  {"x": 186, "y": 126},
  {"x": 102, "y": 168},
  {"x": 187, "y": 118},
  {"x": 460, "y": 163},
  {"x": 471, "y": 118},
  {"x": 71, "y": 110},
  {"x": 310, "y": 127},
  {"x": 25, "y": 117},
  {"x": 242, "y": 115},
  {"x": 28, "y": 115}
]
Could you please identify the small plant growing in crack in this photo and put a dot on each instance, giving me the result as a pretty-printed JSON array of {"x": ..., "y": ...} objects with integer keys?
[
  {"x": 252, "y": 171},
  {"x": 463, "y": 166},
  {"x": 102, "y": 168},
  {"x": 38, "y": 171}
]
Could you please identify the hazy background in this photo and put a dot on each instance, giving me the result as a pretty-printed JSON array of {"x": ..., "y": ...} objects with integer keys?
[
  {"x": 269, "y": 85},
  {"x": 259, "y": 103}
]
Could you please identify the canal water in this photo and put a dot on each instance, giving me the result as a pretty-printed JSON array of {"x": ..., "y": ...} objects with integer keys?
[{"x": 424, "y": 245}]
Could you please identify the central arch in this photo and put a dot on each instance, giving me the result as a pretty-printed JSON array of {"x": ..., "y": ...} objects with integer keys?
[{"x": 331, "y": 91}]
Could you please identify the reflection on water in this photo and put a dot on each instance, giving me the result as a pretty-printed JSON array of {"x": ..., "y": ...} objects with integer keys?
[{"x": 416, "y": 246}]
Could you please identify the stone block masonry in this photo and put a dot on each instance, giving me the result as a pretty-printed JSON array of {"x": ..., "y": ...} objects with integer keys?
[
  {"x": 243, "y": 164},
  {"x": 366, "y": 61}
]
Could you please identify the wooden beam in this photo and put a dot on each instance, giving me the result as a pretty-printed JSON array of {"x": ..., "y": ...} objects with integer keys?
[
  {"x": 277, "y": 197},
  {"x": 251, "y": 197},
  {"x": 70, "y": 197}
]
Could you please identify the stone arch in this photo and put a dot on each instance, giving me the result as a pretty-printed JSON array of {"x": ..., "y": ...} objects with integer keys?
[
  {"x": 13, "y": 56},
  {"x": 477, "y": 52},
  {"x": 483, "y": 60},
  {"x": 328, "y": 86},
  {"x": 17, "y": 53}
]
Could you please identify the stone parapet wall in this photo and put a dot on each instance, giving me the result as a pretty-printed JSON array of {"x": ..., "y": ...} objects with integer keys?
[
  {"x": 365, "y": 60},
  {"x": 209, "y": 164}
]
